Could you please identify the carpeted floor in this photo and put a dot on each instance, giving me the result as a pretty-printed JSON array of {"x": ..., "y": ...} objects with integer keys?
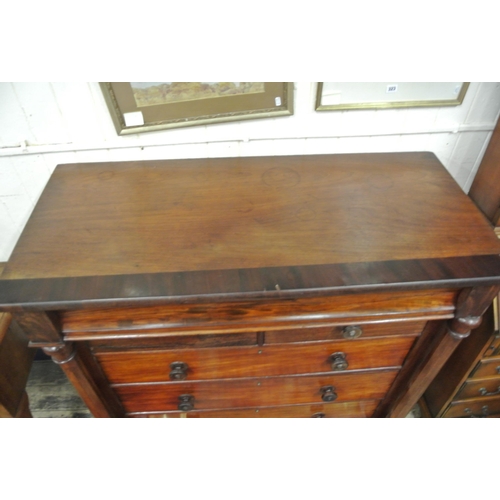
[{"x": 51, "y": 395}]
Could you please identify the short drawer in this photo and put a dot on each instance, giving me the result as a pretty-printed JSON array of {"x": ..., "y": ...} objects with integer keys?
[
  {"x": 483, "y": 408},
  {"x": 347, "y": 332},
  {"x": 251, "y": 393},
  {"x": 356, "y": 409},
  {"x": 479, "y": 388},
  {"x": 494, "y": 347},
  {"x": 175, "y": 342},
  {"x": 257, "y": 361},
  {"x": 487, "y": 367}
]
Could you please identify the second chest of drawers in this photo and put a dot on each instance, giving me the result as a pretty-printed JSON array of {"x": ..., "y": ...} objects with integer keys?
[{"x": 469, "y": 383}]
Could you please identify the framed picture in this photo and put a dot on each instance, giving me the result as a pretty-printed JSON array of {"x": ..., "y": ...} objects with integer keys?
[
  {"x": 138, "y": 107},
  {"x": 382, "y": 95}
]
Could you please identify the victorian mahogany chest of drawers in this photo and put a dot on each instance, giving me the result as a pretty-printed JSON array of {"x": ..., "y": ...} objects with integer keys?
[{"x": 301, "y": 286}]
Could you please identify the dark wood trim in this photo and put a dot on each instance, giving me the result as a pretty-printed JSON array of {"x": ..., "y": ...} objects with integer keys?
[
  {"x": 421, "y": 350},
  {"x": 235, "y": 284},
  {"x": 39, "y": 326}
]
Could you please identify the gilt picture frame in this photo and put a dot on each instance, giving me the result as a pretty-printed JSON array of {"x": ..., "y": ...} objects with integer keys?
[
  {"x": 332, "y": 96},
  {"x": 137, "y": 107}
]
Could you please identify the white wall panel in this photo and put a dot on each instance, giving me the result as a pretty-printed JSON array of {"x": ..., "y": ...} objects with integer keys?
[
  {"x": 257, "y": 148},
  {"x": 33, "y": 172},
  {"x": 46, "y": 124},
  {"x": 486, "y": 105},
  {"x": 13, "y": 124},
  {"x": 317, "y": 145},
  {"x": 10, "y": 183},
  {"x": 42, "y": 112},
  {"x": 223, "y": 149},
  {"x": 79, "y": 114},
  {"x": 8, "y": 231}
]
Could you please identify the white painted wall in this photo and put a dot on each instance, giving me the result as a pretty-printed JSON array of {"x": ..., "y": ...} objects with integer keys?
[{"x": 45, "y": 124}]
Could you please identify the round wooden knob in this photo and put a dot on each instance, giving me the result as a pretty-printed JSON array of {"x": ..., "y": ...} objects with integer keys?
[
  {"x": 327, "y": 393},
  {"x": 352, "y": 332},
  {"x": 339, "y": 362},
  {"x": 186, "y": 402},
  {"x": 178, "y": 370}
]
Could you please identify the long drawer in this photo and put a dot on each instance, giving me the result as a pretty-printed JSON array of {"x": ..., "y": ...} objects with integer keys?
[
  {"x": 253, "y": 361},
  {"x": 256, "y": 392},
  {"x": 356, "y": 409}
]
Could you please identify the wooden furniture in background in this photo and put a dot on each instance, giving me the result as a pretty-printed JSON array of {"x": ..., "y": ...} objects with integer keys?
[
  {"x": 318, "y": 286},
  {"x": 485, "y": 189},
  {"x": 15, "y": 364},
  {"x": 469, "y": 383}
]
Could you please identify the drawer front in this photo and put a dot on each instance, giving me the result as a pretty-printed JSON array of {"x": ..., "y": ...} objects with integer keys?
[
  {"x": 356, "y": 409},
  {"x": 479, "y": 389},
  {"x": 487, "y": 367},
  {"x": 176, "y": 342},
  {"x": 251, "y": 393},
  {"x": 360, "y": 331},
  {"x": 483, "y": 408},
  {"x": 258, "y": 361},
  {"x": 494, "y": 347}
]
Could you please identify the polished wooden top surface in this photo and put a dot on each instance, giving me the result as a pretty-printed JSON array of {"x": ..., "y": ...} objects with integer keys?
[{"x": 213, "y": 214}]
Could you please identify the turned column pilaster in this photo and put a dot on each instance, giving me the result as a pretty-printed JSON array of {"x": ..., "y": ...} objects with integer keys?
[
  {"x": 44, "y": 331},
  {"x": 470, "y": 307}
]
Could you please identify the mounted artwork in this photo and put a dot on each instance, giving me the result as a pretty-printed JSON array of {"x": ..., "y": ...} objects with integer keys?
[
  {"x": 138, "y": 107},
  {"x": 382, "y": 95}
]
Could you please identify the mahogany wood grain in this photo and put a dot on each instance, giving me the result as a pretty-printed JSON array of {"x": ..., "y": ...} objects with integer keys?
[
  {"x": 247, "y": 393},
  {"x": 239, "y": 213},
  {"x": 258, "y": 315},
  {"x": 230, "y": 362},
  {"x": 421, "y": 350},
  {"x": 369, "y": 330},
  {"x": 305, "y": 333},
  {"x": 138, "y": 253},
  {"x": 358, "y": 409},
  {"x": 175, "y": 342},
  {"x": 243, "y": 284},
  {"x": 40, "y": 327}
]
